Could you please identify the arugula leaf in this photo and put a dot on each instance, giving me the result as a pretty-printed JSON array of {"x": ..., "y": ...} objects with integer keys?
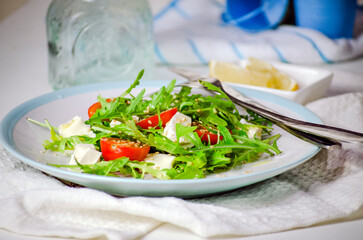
[
  {"x": 211, "y": 87},
  {"x": 164, "y": 144},
  {"x": 189, "y": 134},
  {"x": 190, "y": 172},
  {"x": 133, "y": 85},
  {"x": 119, "y": 166},
  {"x": 135, "y": 102},
  {"x": 219, "y": 159}
]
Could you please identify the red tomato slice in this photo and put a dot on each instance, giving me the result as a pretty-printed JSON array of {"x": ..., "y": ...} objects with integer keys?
[
  {"x": 113, "y": 148},
  {"x": 93, "y": 108},
  {"x": 207, "y": 136},
  {"x": 154, "y": 120}
]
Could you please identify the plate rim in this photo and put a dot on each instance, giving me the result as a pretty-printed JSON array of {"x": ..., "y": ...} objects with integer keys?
[{"x": 10, "y": 120}]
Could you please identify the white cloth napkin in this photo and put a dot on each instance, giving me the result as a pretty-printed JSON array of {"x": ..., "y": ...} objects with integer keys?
[
  {"x": 192, "y": 32},
  {"x": 327, "y": 187}
]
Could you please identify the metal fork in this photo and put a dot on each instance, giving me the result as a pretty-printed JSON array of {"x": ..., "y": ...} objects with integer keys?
[
  {"x": 321, "y": 135},
  {"x": 316, "y": 140}
]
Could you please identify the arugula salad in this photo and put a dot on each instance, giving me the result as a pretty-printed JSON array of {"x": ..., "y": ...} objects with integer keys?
[{"x": 171, "y": 134}]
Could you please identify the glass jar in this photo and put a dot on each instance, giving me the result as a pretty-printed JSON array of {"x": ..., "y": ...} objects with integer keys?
[{"x": 98, "y": 41}]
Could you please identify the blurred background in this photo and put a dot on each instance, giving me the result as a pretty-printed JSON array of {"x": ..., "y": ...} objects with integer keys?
[{"x": 185, "y": 33}]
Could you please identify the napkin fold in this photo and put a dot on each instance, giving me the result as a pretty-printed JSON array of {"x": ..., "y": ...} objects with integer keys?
[
  {"x": 326, "y": 187},
  {"x": 192, "y": 32}
]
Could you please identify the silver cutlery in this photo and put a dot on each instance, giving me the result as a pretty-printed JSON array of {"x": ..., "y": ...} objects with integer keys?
[{"x": 321, "y": 135}]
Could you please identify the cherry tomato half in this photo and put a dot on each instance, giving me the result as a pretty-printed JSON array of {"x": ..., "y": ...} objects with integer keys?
[
  {"x": 207, "y": 136},
  {"x": 113, "y": 148},
  {"x": 154, "y": 120},
  {"x": 93, "y": 108}
]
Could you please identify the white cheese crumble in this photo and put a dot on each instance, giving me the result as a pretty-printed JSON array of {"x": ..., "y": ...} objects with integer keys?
[
  {"x": 75, "y": 127},
  {"x": 85, "y": 154},
  {"x": 252, "y": 132},
  {"x": 114, "y": 123},
  {"x": 135, "y": 118},
  {"x": 161, "y": 161},
  {"x": 170, "y": 128}
]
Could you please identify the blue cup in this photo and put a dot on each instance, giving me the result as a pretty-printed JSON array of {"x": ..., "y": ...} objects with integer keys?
[
  {"x": 334, "y": 18},
  {"x": 255, "y": 15}
]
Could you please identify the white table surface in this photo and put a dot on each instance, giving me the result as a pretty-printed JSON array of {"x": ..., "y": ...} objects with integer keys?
[{"x": 24, "y": 74}]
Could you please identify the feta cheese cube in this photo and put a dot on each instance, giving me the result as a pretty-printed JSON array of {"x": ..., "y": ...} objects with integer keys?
[
  {"x": 161, "y": 161},
  {"x": 114, "y": 122},
  {"x": 252, "y": 132},
  {"x": 170, "y": 128},
  {"x": 85, "y": 154},
  {"x": 135, "y": 118},
  {"x": 75, "y": 127}
]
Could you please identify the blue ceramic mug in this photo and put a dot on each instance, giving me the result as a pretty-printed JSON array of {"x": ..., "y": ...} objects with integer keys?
[
  {"x": 334, "y": 18},
  {"x": 255, "y": 15}
]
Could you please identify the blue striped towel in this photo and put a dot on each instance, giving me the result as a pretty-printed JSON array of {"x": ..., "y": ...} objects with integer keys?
[{"x": 192, "y": 32}]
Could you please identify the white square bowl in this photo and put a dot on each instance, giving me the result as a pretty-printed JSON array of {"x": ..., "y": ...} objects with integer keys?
[{"x": 313, "y": 82}]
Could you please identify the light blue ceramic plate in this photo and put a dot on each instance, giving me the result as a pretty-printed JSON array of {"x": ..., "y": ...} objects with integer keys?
[{"x": 24, "y": 141}]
